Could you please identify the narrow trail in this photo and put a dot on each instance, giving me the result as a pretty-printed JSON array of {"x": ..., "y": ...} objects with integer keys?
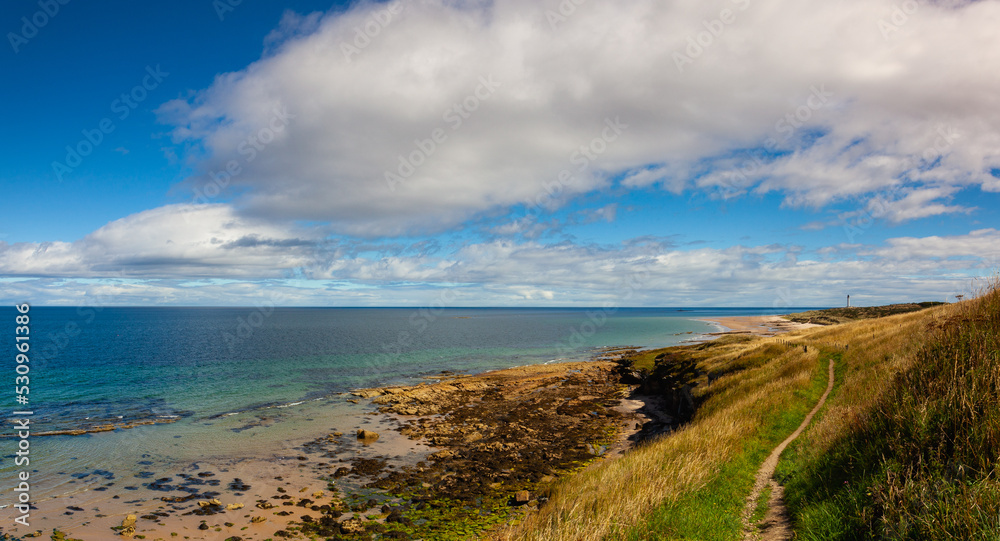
[{"x": 775, "y": 526}]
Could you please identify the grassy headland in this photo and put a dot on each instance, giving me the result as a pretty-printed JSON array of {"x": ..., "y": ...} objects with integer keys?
[
  {"x": 692, "y": 483},
  {"x": 832, "y": 316},
  {"x": 906, "y": 446},
  {"x": 910, "y": 448}
]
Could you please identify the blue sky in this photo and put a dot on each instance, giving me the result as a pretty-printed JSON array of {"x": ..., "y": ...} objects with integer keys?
[
  {"x": 69, "y": 74},
  {"x": 517, "y": 153}
]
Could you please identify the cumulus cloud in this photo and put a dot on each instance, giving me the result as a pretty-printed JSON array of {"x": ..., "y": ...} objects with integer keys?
[
  {"x": 980, "y": 244},
  {"x": 818, "y": 102},
  {"x": 176, "y": 240},
  {"x": 646, "y": 272},
  {"x": 921, "y": 203},
  {"x": 389, "y": 122}
]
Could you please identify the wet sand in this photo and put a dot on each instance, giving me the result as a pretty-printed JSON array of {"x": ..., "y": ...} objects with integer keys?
[
  {"x": 165, "y": 501},
  {"x": 478, "y": 439},
  {"x": 492, "y": 439}
]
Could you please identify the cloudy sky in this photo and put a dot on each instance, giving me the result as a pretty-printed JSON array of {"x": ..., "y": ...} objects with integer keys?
[{"x": 495, "y": 153}]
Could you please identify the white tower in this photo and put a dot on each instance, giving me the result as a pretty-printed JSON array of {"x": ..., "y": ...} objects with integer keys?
[{"x": 848, "y": 301}]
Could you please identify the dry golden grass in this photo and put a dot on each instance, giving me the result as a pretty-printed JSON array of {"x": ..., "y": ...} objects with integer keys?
[
  {"x": 878, "y": 349},
  {"x": 762, "y": 376},
  {"x": 909, "y": 446}
]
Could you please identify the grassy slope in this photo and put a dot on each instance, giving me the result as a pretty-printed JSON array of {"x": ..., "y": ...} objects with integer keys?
[
  {"x": 833, "y": 316},
  {"x": 906, "y": 447},
  {"x": 692, "y": 483},
  {"x": 909, "y": 448},
  {"x": 713, "y": 511}
]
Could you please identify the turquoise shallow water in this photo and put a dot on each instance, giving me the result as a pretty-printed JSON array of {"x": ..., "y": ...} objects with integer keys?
[{"x": 254, "y": 380}]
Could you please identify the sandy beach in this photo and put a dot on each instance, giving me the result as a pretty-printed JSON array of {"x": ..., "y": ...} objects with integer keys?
[
  {"x": 477, "y": 441},
  {"x": 489, "y": 444},
  {"x": 755, "y": 325},
  {"x": 256, "y": 491}
]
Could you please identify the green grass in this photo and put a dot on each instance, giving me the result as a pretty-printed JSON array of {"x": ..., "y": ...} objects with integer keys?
[
  {"x": 646, "y": 359},
  {"x": 741, "y": 388},
  {"x": 907, "y": 446},
  {"x": 713, "y": 511},
  {"x": 833, "y": 316},
  {"x": 762, "y": 505},
  {"x": 920, "y": 459}
]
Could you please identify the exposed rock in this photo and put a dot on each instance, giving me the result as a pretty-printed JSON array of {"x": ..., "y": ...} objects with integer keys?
[
  {"x": 128, "y": 526},
  {"x": 506, "y": 428},
  {"x": 352, "y": 526},
  {"x": 367, "y": 435},
  {"x": 498, "y": 435},
  {"x": 367, "y": 467},
  {"x": 234, "y": 506},
  {"x": 443, "y": 455}
]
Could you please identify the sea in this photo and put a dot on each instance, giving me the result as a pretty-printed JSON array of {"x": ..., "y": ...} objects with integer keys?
[{"x": 214, "y": 384}]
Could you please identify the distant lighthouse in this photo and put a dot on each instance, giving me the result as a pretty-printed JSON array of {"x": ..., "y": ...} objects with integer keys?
[{"x": 848, "y": 301}]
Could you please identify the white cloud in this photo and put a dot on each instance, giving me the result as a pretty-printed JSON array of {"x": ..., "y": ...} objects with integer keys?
[
  {"x": 806, "y": 100},
  {"x": 176, "y": 240},
  {"x": 217, "y": 257},
  {"x": 983, "y": 244},
  {"x": 885, "y": 102},
  {"x": 920, "y": 203}
]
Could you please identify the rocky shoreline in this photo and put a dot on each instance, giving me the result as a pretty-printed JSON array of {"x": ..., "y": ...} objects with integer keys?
[
  {"x": 501, "y": 438},
  {"x": 450, "y": 458},
  {"x": 481, "y": 449}
]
